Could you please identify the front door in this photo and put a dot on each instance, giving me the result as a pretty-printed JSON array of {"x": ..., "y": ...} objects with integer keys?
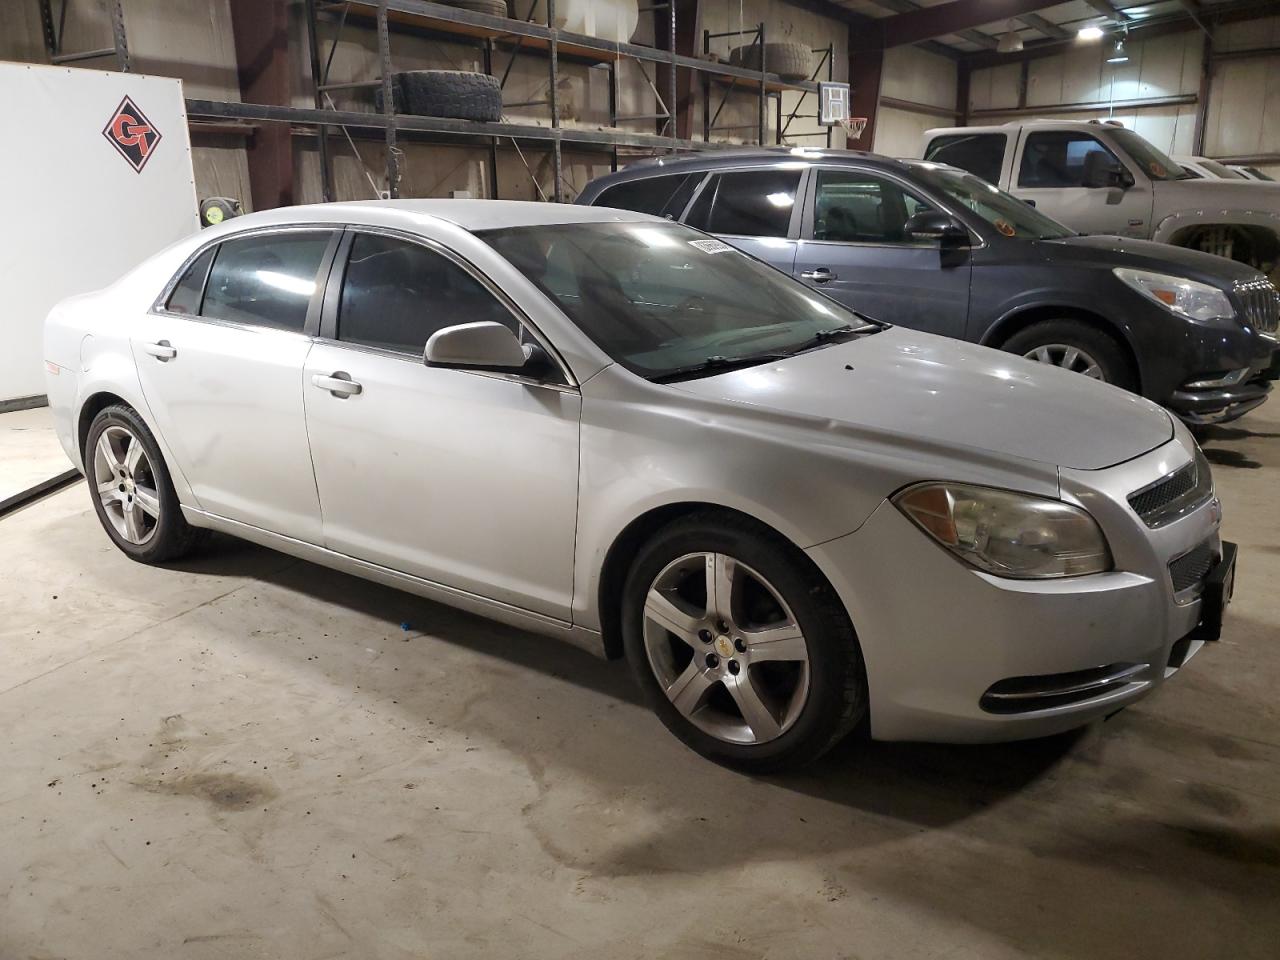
[
  {"x": 853, "y": 249},
  {"x": 221, "y": 370},
  {"x": 1049, "y": 171},
  {"x": 463, "y": 478}
]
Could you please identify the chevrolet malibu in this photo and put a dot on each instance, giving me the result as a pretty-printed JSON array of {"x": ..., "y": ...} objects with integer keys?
[{"x": 790, "y": 520}]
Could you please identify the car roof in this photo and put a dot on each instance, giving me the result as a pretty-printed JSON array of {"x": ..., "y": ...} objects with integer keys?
[
  {"x": 1017, "y": 124},
  {"x": 470, "y": 215},
  {"x": 721, "y": 159}
]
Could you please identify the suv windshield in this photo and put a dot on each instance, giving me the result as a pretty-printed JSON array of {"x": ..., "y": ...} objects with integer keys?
[
  {"x": 1011, "y": 216},
  {"x": 1154, "y": 164},
  {"x": 668, "y": 302}
]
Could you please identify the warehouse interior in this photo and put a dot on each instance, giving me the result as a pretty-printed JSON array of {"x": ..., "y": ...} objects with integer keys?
[{"x": 244, "y": 754}]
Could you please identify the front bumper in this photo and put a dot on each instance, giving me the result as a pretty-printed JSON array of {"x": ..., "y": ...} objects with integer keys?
[{"x": 938, "y": 636}]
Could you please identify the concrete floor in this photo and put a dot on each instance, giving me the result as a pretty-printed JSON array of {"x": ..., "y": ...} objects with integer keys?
[
  {"x": 29, "y": 450},
  {"x": 247, "y": 756}
]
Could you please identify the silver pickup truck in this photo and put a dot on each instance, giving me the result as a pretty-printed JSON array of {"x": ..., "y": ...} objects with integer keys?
[{"x": 1098, "y": 177}]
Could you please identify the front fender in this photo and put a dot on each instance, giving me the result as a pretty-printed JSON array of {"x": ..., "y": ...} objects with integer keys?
[{"x": 1174, "y": 223}]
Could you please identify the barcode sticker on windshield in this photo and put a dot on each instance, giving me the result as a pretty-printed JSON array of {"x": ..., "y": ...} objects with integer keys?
[{"x": 710, "y": 246}]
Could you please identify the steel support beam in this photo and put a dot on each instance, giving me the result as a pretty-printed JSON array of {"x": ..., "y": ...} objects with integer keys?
[
  {"x": 928, "y": 22},
  {"x": 865, "y": 70},
  {"x": 261, "y": 34},
  {"x": 684, "y": 32}
]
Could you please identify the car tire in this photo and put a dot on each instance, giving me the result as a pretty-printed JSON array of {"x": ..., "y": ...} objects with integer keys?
[
  {"x": 456, "y": 94},
  {"x": 810, "y": 704},
  {"x": 132, "y": 493},
  {"x": 790, "y": 61},
  {"x": 1052, "y": 341}
]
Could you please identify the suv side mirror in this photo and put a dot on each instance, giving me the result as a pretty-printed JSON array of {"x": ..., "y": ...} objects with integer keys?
[
  {"x": 484, "y": 345},
  {"x": 1102, "y": 170},
  {"x": 936, "y": 225}
]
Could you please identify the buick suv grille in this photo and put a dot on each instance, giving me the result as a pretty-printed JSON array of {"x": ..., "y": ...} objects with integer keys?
[{"x": 1261, "y": 304}]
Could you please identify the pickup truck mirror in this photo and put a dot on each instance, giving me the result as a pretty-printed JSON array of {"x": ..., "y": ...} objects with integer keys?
[
  {"x": 936, "y": 225},
  {"x": 1103, "y": 171}
]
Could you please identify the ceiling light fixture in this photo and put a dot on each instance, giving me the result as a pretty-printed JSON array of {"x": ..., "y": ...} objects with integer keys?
[
  {"x": 1010, "y": 40},
  {"x": 1119, "y": 56},
  {"x": 1090, "y": 33}
]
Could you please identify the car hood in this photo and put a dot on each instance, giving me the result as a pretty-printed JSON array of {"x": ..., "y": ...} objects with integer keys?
[
  {"x": 948, "y": 392},
  {"x": 1110, "y": 252},
  {"x": 1217, "y": 194}
]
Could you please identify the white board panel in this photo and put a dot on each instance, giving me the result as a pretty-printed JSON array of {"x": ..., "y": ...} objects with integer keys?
[{"x": 80, "y": 211}]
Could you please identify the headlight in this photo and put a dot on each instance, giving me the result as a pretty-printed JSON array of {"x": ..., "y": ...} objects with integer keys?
[
  {"x": 1187, "y": 298},
  {"x": 1009, "y": 534}
]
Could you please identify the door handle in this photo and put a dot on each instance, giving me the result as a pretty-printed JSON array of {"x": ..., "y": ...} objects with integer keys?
[
  {"x": 339, "y": 384},
  {"x": 162, "y": 351},
  {"x": 819, "y": 275}
]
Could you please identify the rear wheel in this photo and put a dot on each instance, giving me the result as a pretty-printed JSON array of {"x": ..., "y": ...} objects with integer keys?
[
  {"x": 740, "y": 646},
  {"x": 132, "y": 493},
  {"x": 1078, "y": 347}
]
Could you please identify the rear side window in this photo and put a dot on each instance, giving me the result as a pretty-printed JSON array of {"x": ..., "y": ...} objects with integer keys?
[
  {"x": 755, "y": 203},
  {"x": 266, "y": 280},
  {"x": 185, "y": 297},
  {"x": 660, "y": 196},
  {"x": 395, "y": 294},
  {"x": 1056, "y": 159},
  {"x": 982, "y": 154}
]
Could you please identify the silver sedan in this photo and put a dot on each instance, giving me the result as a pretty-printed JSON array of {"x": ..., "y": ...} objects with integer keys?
[{"x": 791, "y": 520}]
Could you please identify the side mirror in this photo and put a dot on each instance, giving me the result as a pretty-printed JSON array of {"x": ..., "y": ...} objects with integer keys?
[
  {"x": 1103, "y": 171},
  {"x": 484, "y": 345},
  {"x": 935, "y": 225}
]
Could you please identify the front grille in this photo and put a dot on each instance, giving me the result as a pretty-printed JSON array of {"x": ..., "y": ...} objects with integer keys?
[
  {"x": 1191, "y": 568},
  {"x": 1173, "y": 496},
  {"x": 1261, "y": 304}
]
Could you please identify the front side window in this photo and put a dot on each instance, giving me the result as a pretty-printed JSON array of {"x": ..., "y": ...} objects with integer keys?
[
  {"x": 660, "y": 196},
  {"x": 982, "y": 154},
  {"x": 755, "y": 203},
  {"x": 186, "y": 296},
  {"x": 395, "y": 294},
  {"x": 854, "y": 207},
  {"x": 1057, "y": 159},
  {"x": 665, "y": 301},
  {"x": 266, "y": 280}
]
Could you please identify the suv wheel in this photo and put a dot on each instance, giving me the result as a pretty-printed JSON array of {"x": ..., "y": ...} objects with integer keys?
[
  {"x": 1075, "y": 346},
  {"x": 739, "y": 646}
]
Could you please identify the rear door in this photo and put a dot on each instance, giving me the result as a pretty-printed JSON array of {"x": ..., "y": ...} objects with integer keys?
[
  {"x": 1049, "y": 171},
  {"x": 853, "y": 248},
  {"x": 756, "y": 210},
  {"x": 220, "y": 361}
]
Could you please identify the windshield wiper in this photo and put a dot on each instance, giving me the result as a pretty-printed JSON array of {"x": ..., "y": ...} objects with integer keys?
[
  {"x": 714, "y": 365},
  {"x": 828, "y": 336}
]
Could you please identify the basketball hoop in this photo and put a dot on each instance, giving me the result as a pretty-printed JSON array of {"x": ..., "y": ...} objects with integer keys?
[{"x": 853, "y": 126}]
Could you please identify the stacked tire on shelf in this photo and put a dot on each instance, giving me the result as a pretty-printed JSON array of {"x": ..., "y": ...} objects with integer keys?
[
  {"x": 457, "y": 94},
  {"x": 790, "y": 61}
]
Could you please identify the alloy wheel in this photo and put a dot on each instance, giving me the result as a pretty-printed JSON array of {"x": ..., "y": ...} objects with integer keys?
[
  {"x": 725, "y": 648},
  {"x": 1068, "y": 357},
  {"x": 126, "y": 484}
]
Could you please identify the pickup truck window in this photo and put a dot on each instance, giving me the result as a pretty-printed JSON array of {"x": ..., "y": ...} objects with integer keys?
[
  {"x": 1153, "y": 163},
  {"x": 1056, "y": 158},
  {"x": 855, "y": 207},
  {"x": 982, "y": 154}
]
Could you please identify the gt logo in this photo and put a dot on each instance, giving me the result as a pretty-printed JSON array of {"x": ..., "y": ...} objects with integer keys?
[{"x": 132, "y": 134}]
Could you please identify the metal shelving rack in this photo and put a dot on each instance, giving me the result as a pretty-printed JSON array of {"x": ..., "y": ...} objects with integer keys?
[
  {"x": 489, "y": 34},
  {"x": 53, "y": 31}
]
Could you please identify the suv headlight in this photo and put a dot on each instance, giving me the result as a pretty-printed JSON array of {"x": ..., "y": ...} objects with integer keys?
[
  {"x": 1187, "y": 298},
  {"x": 1005, "y": 533}
]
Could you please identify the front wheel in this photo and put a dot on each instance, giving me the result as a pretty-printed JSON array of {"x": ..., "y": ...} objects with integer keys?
[
  {"x": 1078, "y": 347},
  {"x": 132, "y": 493},
  {"x": 739, "y": 644}
]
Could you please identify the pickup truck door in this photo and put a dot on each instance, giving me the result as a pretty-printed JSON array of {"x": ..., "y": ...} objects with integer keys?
[
  {"x": 852, "y": 248},
  {"x": 1048, "y": 170}
]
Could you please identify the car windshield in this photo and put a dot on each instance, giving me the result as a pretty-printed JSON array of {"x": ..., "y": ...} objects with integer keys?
[
  {"x": 1011, "y": 216},
  {"x": 668, "y": 302},
  {"x": 1154, "y": 164}
]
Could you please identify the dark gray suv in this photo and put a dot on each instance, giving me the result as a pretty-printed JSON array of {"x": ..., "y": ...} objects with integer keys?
[{"x": 934, "y": 248}]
